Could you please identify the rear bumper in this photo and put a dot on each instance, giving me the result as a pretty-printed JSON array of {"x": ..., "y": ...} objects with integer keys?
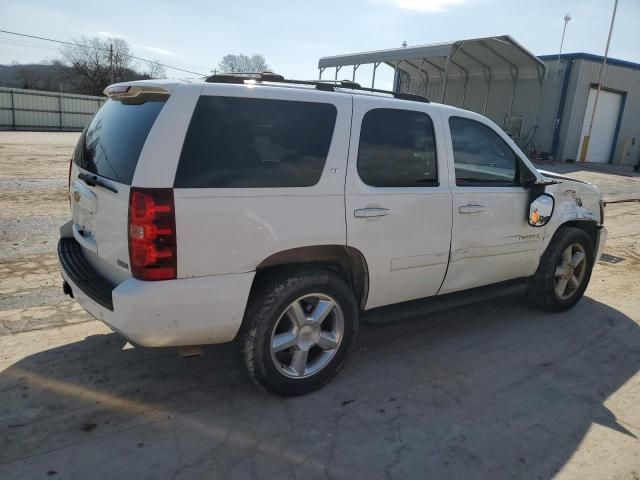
[
  {"x": 82, "y": 275},
  {"x": 190, "y": 311}
]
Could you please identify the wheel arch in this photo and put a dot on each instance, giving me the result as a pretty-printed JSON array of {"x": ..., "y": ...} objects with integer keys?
[
  {"x": 590, "y": 227},
  {"x": 346, "y": 261}
]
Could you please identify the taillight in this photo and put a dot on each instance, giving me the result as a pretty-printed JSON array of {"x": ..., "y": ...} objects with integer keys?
[
  {"x": 69, "y": 179},
  {"x": 152, "y": 234}
]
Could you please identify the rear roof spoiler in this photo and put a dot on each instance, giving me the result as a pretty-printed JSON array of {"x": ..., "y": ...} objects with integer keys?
[{"x": 134, "y": 93}]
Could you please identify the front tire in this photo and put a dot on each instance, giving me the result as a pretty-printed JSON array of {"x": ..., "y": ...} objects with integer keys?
[
  {"x": 564, "y": 271},
  {"x": 299, "y": 328}
]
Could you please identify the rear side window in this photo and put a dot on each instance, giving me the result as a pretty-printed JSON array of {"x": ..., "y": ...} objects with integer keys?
[
  {"x": 254, "y": 143},
  {"x": 111, "y": 144},
  {"x": 397, "y": 149}
]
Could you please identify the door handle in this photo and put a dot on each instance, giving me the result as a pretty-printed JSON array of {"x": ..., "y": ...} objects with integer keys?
[
  {"x": 470, "y": 208},
  {"x": 370, "y": 212}
]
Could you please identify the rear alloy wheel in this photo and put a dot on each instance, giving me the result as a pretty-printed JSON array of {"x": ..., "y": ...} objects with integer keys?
[
  {"x": 298, "y": 329},
  {"x": 307, "y": 335}
]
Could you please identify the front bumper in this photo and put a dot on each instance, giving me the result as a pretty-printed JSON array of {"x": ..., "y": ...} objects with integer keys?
[
  {"x": 601, "y": 242},
  {"x": 190, "y": 311}
]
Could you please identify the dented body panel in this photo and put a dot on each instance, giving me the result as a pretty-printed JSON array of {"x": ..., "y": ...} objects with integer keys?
[{"x": 574, "y": 201}]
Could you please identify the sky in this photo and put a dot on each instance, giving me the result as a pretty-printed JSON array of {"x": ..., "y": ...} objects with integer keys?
[{"x": 293, "y": 35}]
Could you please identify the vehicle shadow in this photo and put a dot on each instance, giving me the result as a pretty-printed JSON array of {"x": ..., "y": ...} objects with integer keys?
[{"x": 492, "y": 390}]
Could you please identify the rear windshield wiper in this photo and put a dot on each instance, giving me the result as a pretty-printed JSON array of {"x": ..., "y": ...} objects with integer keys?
[{"x": 95, "y": 181}]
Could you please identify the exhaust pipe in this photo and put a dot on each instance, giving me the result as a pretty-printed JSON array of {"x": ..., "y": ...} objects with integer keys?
[{"x": 66, "y": 289}]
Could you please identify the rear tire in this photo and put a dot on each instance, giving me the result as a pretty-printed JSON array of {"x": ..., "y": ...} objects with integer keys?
[
  {"x": 298, "y": 329},
  {"x": 564, "y": 271}
]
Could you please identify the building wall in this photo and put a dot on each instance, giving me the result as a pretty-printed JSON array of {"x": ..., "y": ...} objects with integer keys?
[
  {"x": 548, "y": 120},
  {"x": 37, "y": 110},
  {"x": 579, "y": 75},
  {"x": 618, "y": 78},
  {"x": 527, "y": 100}
]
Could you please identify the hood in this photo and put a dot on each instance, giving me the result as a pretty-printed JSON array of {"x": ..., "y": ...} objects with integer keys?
[{"x": 584, "y": 187}]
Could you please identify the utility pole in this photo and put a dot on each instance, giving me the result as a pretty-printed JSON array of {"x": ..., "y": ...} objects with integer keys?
[
  {"x": 585, "y": 140},
  {"x": 567, "y": 19},
  {"x": 111, "y": 60}
]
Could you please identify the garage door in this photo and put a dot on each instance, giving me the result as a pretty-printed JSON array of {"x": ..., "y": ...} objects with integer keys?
[{"x": 604, "y": 125}]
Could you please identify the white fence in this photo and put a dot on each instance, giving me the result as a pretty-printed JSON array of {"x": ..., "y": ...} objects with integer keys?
[{"x": 48, "y": 111}]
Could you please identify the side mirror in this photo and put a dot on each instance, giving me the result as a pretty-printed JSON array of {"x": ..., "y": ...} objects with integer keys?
[{"x": 540, "y": 210}]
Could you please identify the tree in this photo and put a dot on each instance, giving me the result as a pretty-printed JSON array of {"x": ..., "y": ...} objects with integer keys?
[
  {"x": 97, "y": 63},
  {"x": 242, "y": 63},
  {"x": 28, "y": 78},
  {"x": 34, "y": 76},
  {"x": 155, "y": 70}
]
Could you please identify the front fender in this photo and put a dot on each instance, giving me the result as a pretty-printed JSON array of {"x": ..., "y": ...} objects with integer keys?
[{"x": 574, "y": 202}]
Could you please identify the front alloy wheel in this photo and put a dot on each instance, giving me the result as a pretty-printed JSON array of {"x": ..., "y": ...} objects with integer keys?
[
  {"x": 570, "y": 271},
  {"x": 564, "y": 270}
]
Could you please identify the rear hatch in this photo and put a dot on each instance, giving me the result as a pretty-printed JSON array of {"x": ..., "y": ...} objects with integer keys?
[{"x": 102, "y": 170}]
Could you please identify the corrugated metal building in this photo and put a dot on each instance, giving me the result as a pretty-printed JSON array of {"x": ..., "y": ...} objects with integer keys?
[
  {"x": 538, "y": 103},
  {"x": 616, "y": 130}
]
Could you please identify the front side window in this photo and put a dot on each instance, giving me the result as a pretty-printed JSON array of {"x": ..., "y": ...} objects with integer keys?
[
  {"x": 237, "y": 142},
  {"x": 480, "y": 156},
  {"x": 397, "y": 149}
]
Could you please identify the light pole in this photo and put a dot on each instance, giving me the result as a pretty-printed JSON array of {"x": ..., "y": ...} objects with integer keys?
[
  {"x": 567, "y": 19},
  {"x": 585, "y": 140}
]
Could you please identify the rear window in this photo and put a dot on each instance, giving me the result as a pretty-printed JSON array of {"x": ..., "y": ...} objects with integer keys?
[
  {"x": 112, "y": 142},
  {"x": 254, "y": 143}
]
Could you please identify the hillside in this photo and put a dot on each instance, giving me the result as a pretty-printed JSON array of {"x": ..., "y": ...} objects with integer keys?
[{"x": 53, "y": 77}]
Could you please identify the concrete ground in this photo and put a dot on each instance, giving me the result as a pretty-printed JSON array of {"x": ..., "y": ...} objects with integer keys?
[{"x": 494, "y": 390}]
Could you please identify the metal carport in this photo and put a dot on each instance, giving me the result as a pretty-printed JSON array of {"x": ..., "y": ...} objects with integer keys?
[{"x": 433, "y": 68}]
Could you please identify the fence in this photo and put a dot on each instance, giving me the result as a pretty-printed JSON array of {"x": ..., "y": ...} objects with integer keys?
[{"x": 47, "y": 111}]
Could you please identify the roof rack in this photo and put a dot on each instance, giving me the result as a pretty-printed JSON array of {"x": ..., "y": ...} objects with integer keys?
[
  {"x": 325, "y": 85},
  {"x": 240, "y": 77}
]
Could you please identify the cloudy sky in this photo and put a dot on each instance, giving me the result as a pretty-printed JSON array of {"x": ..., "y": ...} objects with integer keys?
[{"x": 293, "y": 35}]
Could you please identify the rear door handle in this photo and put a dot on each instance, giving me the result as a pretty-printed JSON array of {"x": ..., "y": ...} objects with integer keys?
[
  {"x": 370, "y": 212},
  {"x": 471, "y": 208}
]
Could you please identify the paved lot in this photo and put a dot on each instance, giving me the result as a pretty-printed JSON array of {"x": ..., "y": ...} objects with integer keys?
[{"x": 496, "y": 390}]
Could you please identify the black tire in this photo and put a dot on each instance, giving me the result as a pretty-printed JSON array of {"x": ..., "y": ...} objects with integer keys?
[
  {"x": 542, "y": 286},
  {"x": 271, "y": 297}
]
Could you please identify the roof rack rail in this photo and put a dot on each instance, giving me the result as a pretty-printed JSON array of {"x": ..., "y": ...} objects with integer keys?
[
  {"x": 324, "y": 85},
  {"x": 240, "y": 77}
]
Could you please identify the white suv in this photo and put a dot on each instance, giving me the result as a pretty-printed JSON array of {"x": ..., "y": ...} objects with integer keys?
[{"x": 283, "y": 213}]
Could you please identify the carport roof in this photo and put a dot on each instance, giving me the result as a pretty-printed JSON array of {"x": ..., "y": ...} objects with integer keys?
[{"x": 499, "y": 56}]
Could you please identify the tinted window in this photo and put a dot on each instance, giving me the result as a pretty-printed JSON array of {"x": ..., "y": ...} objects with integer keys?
[
  {"x": 480, "y": 155},
  {"x": 397, "y": 149},
  {"x": 110, "y": 146},
  {"x": 250, "y": 142}
]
